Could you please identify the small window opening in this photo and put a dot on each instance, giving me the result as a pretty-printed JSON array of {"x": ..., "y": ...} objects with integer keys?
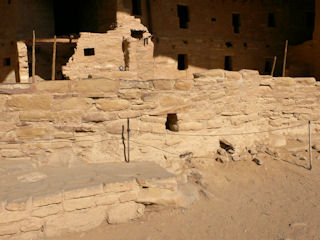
[
  {"x": 172, "y": 122},
  {"x": 183, "y": 14},
  {"x": 138, "y": 34},
  {"x": 228, "y": 63},
  {"x": 245, "y": 45},
  {"x": 271, "y": 20},
  {"x": 6, "y": 62},
  {"x": 213, "y": 19},
  {"x": 182, "y": 61},
  {"x": 126, "y": 56},
  {"x": 89, "y": 52},
  {"x": 185, "y": 41},
  {"x": 229, "y": 44},
  {"x": 268, "y": 66},
  {"x": 236, "y": 22},
  {"x": 30, "y": 69},
  {"x": 9, "y": 1},
  {"x": 136, "y": 7}
]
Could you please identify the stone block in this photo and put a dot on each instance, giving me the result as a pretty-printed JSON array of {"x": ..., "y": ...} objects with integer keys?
[
  {"x": 130, "y": 94},
  {"x": 125, "y": 212},
  {"x": 12, "y": 153},
  {"x": 190, "y": 126},
  {"x": 95, "y": 85},
  {"x": 81, "y": 220},
  {"x": 112, "y": 104},
  {"x": 32, "y": 224},
  {"x": 183, "y": 85},
  {"x": 171, "y": 100},
  {"x": 163, "y": 84},
  {"x": 213, "y": 73},
  {"x": 120, "y": 187},
  {"x": 39, "y": 201},
  {"x": 53, "y": 86},
  {"x": 83, "y": 192},
  {"x": 9, "y": 229},
  {"x": 284, "y": 81},
  {"x": 30, "y": 102},
  {"x": 78, "y": 204},
  {"x": 107, "y": 199},
  {"x": 233, "y": 76},
  {"x": 12, "y": 216},
  {"x": 32, "y": 116},
  {"x": 73, "y": 103},
  {"x": 48, "y": 210},
  {"x": 30, "y": 132},
  {"x": 217, "y": 123},
  {"x": 18, "y": 204},
  {"x": 306, "y": 81},
  {"x": 3, "y": 100},
  {"x": 128, "y": 196}
]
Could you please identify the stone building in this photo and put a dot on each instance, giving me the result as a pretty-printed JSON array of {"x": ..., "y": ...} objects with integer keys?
[{"x": 149, "y": 39}]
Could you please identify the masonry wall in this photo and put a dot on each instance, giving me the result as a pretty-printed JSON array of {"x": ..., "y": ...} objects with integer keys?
[{"x": 66, "y": 122}]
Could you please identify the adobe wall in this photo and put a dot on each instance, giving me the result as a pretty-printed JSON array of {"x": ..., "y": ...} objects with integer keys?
[{"x": 67, "y": 122}]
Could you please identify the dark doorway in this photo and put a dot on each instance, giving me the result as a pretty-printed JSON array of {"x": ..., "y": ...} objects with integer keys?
[
  {"x": 182, "y": 62},
  {"x": 228, "y": 63},
  {"x": 268, "y": 66},
  {"x": 183, "y": 14},
  {"x": 172, "y": 122},
  {"x": 236, "y": 22},
  {"x": 271, "y": 20},
  {"x": 136, "y": 7}
]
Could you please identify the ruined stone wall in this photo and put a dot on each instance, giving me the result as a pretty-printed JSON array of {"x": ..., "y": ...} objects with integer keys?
[{"x": 66, "y": 122}]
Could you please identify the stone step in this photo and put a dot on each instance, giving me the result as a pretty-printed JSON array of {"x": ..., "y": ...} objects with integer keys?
[{"x": 47, "y": 202}]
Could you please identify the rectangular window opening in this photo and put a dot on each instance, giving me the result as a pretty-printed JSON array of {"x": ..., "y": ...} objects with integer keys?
[
  {"x": 6, "y": 62},
  {"x": 136, "y": 7},
  {"x": 89, "y": 52},
  {"x": 228, "y": 63},
  {"x": 138, "y": 34},
  {"x": 182, "y": 62},
  {"x": 236, "y": 22},
  {"x": 183, "y": 14},
  {"x": 271, "y": 20},
  {"x": 310, "y": 18},
  {"x": 9, "y": 1}
]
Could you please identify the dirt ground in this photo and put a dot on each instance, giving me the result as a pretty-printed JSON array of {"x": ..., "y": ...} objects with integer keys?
[{"x": 278, "y": 200}]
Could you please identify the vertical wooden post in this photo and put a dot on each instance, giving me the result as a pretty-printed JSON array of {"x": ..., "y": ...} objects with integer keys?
[
  {"x": 33, "y": 56},
  {"x": 128, "y": 132},
  {"x": 285, "y": 59},
  {"x": 54, "y": 55},
  {"x": 274, "y": 65},
  {"x": 310, "y": 146}
]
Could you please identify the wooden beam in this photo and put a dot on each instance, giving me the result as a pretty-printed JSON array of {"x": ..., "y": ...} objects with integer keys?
[
  {"x": 33, "y": 56},
  {"x": 285, "y": 59},
  {"x": 274, "y": 65},
  {"x": 54, "y": 56}
]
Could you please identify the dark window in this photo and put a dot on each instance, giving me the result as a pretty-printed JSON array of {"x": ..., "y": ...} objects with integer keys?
[
  {"x": 172, "y": 122},
  {"x": 9, "y": 1},
  {"x": 136, "y": 7},
  {"x": 89, "y": 52},
  {"x": 271, "y": 20},
  {"x": 6, "y": 62},
  {"x": 182, "y": 61},
  {"x": 268, "y": 66},
  {"x": 137, "y": 34},
  {"x": 236, "y": 22},
  {"x": 310, "y": 19},
  {"x": 183, "y": 14},
  {"x": 213, "y": 19},
  {"x": 228, "y": 63},
  {"x": 229, "y": 44}
]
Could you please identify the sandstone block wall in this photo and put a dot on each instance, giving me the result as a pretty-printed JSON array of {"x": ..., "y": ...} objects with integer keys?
[{"x": 64, "y": 122}]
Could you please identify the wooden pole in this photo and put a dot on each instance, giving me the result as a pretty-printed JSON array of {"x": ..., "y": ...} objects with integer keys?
[
  {"x": 54, "y": 55},
  {"x": 310, "y": 147},
  {"x": 285, "y": 59},
  {"x": 33, "y": 56},
  {"x": 128, "y": 132},
  {"x": 274, "y": 65}
]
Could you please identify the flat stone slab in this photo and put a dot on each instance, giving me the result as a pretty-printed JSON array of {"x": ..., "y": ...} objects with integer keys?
[{"x": 51, "y": 180}]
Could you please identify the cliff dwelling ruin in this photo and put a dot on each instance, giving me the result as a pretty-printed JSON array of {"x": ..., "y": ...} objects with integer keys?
[{"x": 109, "y": 107}]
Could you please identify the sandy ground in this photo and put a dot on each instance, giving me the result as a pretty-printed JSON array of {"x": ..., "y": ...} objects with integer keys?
[{"x": 278, "y": 200}]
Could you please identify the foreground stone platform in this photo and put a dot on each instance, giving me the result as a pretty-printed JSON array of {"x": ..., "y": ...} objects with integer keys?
[{"x": 45, "y": 202}]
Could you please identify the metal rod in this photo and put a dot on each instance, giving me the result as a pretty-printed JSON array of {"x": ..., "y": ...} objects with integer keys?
[
  {"x": 274, "y": 65},
  {"x": 54, "y": 56},
  {"x": 128, "y": 132},
  {"x": 285, "y": 59},
  {"x": 310, "y": 146},
  {"x": 33, "y": 56}
]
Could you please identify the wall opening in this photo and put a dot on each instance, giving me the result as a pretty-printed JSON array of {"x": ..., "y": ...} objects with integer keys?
[
  {"x": 268, "y": 65},
  {"x": 172, "y": 122},
  {"x": 182, "y": 62},
  {"x": 125, "y": 50},
  {"x": 236, "y": 22},
  {"x": 310, "y": 18},
  {"x": 89, "y": 51},
  {"x": 229, "y": 44},
  {"x": 228, "y": 63},
  {"x": 271, "y": 20},
  {"x": 136, "y": 7},
  {"x": 138, "y": 34},
  {"x": 183, "y": 14},
  {"x": 6, "y": 62}
]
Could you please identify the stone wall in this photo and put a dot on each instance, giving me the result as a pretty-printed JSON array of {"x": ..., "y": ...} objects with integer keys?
[{"x": 67, "y": 122}]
